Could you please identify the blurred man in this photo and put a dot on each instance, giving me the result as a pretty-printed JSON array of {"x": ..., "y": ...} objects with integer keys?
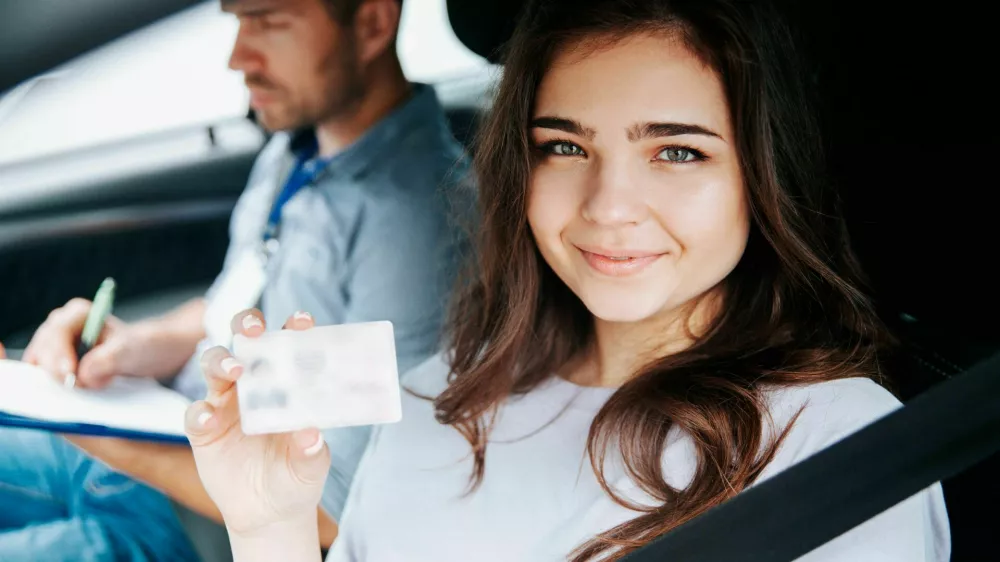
[{"x": 344, "y": 216}]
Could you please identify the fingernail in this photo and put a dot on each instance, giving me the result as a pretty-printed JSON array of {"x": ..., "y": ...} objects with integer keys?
[
  {"x": 66, "y": 367},
  {"x": 203, "y": 418},
  {"x": 302, "y": 315},
  {"x": 315, "y": 447},
  {"x": 251, "y": 321},
  {"x": 228, "y": 364},
  {"x": 69, "y": 381}
]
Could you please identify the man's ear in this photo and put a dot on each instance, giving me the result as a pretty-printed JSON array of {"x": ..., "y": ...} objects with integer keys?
[{"x": 375, "y": 26}]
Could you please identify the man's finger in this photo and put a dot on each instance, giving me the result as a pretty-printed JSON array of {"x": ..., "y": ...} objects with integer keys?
[
  {"x": 99, "y": 366},
  {"x": 249, "y": 323},
  {"x": 57, "y": 359},
  {"x": 53, "y": 346}
]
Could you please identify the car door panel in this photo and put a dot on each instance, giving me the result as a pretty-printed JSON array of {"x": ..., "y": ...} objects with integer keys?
[{"x": 153, "y": 214}]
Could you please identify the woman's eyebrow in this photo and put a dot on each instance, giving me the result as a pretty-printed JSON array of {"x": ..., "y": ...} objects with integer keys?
[
  {"x": 637, "y": 132},
  {"x": 644, "y": 131},
  {"x": 563, "y": 124}
]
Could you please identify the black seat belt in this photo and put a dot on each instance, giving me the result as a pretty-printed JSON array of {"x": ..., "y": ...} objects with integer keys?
[{"x": 938, "y": 434}]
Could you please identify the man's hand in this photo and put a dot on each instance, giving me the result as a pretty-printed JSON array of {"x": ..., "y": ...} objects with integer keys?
[
  {"x": 156, "y": 348},
  {"x": 53, "y": 347}
]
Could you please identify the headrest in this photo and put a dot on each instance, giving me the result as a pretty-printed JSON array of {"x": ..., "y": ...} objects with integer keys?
[{"x": 484, "y": 25}]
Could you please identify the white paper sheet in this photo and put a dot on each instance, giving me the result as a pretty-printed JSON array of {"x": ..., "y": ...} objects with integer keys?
[{"x": 127, "y": 404}]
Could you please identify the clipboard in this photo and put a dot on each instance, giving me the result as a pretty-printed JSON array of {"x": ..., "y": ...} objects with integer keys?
[
  {"x": 137, "y": 409},
  {"x": 8, "y": 420}
]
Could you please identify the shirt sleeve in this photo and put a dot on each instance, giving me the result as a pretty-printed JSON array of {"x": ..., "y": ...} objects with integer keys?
[
  {"x": 245, "y": 227},
  {"x": 249, "y": 214},
  {"x": 914, "y": 530},
  {"x": 402, "y": 269}
]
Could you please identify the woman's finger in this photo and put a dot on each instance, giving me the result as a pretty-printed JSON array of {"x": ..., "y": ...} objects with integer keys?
[
  {"x": 221, "y": 371},
  {"x": 309, "y": 456},
  {"x": 249, "y": 323},
  {"x": 204, "y": 424},
  {"x": 299, "y": 321}
]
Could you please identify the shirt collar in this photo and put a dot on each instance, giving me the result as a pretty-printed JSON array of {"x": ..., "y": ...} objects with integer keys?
[
  {"x": 420, "y": 110},
  {"x": 303, "y": 144}
]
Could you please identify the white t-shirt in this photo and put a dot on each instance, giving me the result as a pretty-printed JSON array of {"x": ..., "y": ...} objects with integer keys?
[{"x": 540, "y": 498}]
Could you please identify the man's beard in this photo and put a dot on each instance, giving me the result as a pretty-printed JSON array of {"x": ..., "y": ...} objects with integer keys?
[
  {"x": 342, "y": 93},
  {"x": 345, "y": 89}
]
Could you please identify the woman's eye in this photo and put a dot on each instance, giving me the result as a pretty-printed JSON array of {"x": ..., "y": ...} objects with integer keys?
[
  {"x": 678, "y": 155},
  {"x": 565, "y": 149}
]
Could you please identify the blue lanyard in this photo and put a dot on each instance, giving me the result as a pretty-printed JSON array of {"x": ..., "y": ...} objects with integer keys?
[{"x": 307, "y": 169}]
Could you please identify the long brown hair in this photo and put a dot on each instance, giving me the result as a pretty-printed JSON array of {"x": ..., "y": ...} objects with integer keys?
[{"x": 793, "y": 312}]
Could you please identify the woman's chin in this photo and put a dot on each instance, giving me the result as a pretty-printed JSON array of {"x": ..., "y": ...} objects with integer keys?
[{"x": 623, "y": 308}]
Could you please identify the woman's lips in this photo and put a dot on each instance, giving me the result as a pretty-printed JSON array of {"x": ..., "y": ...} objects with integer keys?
[{"x": 619, "y": 263}]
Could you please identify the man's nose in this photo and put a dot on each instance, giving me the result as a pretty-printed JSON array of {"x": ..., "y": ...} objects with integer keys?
[{"x": 244, "y": 57}]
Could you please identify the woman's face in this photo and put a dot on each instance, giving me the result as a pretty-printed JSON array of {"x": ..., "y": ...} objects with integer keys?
[{"x": 636, "y": 197}]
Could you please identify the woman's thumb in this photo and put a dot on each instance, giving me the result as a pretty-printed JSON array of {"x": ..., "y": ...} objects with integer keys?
[{"x": 309, "y": 455}]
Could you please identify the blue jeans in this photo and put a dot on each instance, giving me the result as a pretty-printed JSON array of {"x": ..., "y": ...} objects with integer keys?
[{"x": 58, "y": 504}]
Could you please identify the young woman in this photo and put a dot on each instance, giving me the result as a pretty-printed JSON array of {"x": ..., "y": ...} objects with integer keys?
[{"x": 663, "y": 310}]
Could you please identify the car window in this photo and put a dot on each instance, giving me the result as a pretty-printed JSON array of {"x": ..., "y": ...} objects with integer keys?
[{"x": 172, "y": 74}]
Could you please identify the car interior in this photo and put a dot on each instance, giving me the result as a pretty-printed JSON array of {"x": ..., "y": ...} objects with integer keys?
[{"x": 909, "y": 117}]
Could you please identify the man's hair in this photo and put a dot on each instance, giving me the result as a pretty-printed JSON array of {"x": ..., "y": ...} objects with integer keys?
[{"x": 343, "y": 11}]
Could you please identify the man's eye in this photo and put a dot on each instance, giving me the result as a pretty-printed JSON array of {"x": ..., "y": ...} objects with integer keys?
[
  {"x": 562, "y": 148},
  {"x": 679, "y": 155},
  {"x": 264, "y": 21},
  {"x": 272, "y": 22}
]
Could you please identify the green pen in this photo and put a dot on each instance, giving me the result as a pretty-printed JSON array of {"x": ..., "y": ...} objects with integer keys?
[{"x": 99, "y": 310}]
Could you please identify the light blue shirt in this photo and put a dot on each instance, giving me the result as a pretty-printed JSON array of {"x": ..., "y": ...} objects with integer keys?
[{"x": 374, "y": 237}]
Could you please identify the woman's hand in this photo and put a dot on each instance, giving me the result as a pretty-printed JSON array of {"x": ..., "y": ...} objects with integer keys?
[{"x": 261, "y": 484}]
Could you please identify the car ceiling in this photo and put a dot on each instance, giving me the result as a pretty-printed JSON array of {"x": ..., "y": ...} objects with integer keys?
[{"x": 38, "y": 35}]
